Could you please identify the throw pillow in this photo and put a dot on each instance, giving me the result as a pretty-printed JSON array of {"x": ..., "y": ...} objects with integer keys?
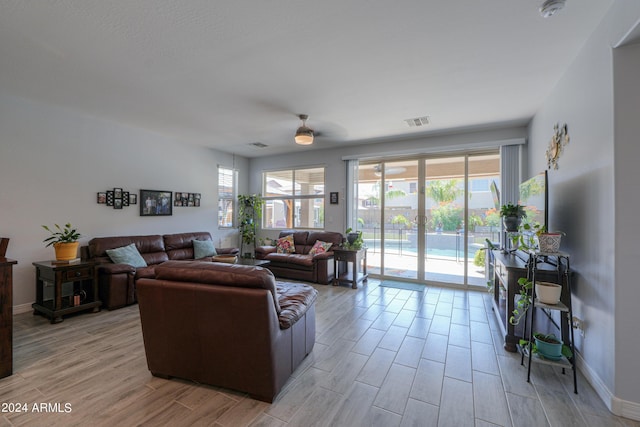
[
  {"x": 127, "y": 255},
  {"x": 203, "y": 248},
  {"x": 320, "y": 247},
  {"x": 285, "y": 245}
]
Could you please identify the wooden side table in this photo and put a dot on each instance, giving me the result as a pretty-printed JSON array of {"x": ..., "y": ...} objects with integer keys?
[
  {"x": 65, "y": 288},
  {"x": 6, "y": 316},
  {"x": 342, "y": 258}
]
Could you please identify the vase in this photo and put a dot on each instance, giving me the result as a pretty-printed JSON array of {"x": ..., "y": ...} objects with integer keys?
[
  {"x": 66, "y": 251},
  {"x": 550, "y": 350},
  {"x": 511, "y": 222},
  {"x": 548, "y": 293},
  {"x": 549, "y": 242}
]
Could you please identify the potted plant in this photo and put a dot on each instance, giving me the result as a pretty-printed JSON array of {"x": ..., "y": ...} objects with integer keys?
[
  {"x": 354, "y": 240},
  {"x": 535, "y": 236},
  {"x": 547, "y": 345},
  {"x": 524, "y": 302},
  {"x": 64, "y": 241},
  {"x": 512, "y": 216},
  {"x": 249, "y": 214}
]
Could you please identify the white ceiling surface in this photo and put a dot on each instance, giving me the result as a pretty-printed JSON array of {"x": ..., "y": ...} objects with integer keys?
[{"x": 225, "y": 74}]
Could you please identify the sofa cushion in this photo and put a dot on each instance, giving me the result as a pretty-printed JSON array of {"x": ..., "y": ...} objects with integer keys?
[
  {"x": 294, "y": 299},
  {"x": 127, "y": 255},
  {"x": 320, "y": 247},
  {"x": 285, "y": 245},
  {"x": 215, "y": 273},
  {"x": 203, "y": 248},
  {"x": 180, "y": 245}
]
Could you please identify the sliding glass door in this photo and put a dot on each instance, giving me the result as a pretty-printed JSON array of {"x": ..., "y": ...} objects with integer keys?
[{"x": 425, "y": 219}]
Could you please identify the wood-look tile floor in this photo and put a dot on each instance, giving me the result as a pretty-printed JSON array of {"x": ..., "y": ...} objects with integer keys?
[{"x": 383, "y": 357}]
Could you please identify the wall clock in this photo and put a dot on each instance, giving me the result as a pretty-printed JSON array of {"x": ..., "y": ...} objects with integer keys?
[{"x": 559, "y": 139}]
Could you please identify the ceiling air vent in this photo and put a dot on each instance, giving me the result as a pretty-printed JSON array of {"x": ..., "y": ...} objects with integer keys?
[
  {"x": 417, "y": 122},
  {"x": 259, "y": 144}
]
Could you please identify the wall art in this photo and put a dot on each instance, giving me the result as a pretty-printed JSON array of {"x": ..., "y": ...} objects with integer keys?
[{"x": 155, "y": 203}]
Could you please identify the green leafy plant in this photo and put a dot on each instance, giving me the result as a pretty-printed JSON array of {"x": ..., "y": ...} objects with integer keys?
[
  {"x": 68, "y": 234},
  {"x": 512, "y": 210},
  {"x": 566, "y": 350},
  {"x": 524, "y": 302},
  {"x": 356, "y": 244},
  {"x": 249, "y": 215}
]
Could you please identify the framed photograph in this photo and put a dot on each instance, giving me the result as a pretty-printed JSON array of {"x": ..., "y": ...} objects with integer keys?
[
  {"x": 117, "y": 193},
  {"x": 102, "y": 197},
  {"x": 155, "y": 203},
  {"x": 333, "y": 197},
  {"x": 133, "y": 199},
  {"x": 109, "y": 198},
  {"x": 117, "y": 203},
  {"x": 125, "y": 198}
]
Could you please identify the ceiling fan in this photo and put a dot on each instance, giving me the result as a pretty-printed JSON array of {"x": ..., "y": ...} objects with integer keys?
[{"x": 304, "y": 134}]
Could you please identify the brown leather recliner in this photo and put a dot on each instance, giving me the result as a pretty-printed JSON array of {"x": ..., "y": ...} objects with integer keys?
[{"x": 226, "y": 325}]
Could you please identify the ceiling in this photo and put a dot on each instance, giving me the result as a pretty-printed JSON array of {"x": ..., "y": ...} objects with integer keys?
[{"x": 226, "y": 74}]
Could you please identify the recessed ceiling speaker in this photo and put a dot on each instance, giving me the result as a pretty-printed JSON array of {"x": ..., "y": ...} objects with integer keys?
[{"x": 550, "y": 7}]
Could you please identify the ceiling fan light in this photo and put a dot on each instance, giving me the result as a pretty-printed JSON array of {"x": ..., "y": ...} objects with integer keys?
[
  {"x": 550, "y": 7},
  {"x": 304, "y": 136}
]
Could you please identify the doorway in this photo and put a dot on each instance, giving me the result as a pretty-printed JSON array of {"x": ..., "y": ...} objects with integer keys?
[{"x": 426, "y": 219}]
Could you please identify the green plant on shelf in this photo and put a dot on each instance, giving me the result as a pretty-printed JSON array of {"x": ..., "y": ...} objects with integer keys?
[
  {"x": 524, "y": 302},
  {"x": 566, "y": 350}
]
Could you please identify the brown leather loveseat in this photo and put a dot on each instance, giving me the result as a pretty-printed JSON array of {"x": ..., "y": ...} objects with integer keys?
[
  {"x": 117, "y": 282},
  {"x": 302, "y": 265},
  {"x": 226, "y": 325}
]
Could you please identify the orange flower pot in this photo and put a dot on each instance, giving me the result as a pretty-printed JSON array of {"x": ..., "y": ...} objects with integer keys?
[{"x": 66, "y": 251}]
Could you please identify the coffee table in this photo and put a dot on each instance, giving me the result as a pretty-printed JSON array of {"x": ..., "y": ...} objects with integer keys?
[{"x": 254, "y": 262}]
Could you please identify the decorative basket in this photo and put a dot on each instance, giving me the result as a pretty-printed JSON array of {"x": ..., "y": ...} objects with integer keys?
[{"x": 549, "y": 242}]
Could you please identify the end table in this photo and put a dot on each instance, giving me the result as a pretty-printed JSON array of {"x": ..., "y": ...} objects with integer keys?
[
  {"x": 65, "y": 288},
  {"x": 342, "y": 258}
]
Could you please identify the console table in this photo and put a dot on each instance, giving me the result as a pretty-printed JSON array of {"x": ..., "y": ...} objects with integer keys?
[
  {"x": 359, "y": 261},
  {"x": 58, "y": 285},
  {"x": 6, "y": 316}
]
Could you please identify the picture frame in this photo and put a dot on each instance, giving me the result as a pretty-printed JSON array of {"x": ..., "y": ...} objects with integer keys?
[
  {"x": 133, "y": 199},
  {"x": 102, "y": 198},
  {"x": 156, "y": 203},
  {"x": 117, "y": 203},
  {"x": 333, "y": 197},
  {"x": 117, "y": 193}
]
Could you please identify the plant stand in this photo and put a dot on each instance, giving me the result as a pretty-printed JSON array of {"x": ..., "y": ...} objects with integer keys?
[{"x": 561, "y": 261}]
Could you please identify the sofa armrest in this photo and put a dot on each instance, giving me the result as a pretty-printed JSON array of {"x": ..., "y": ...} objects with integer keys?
[
  {"x": 115, "y": 268},
  {"x": 263, "y": 251},
  {"x": 323, "y": 256}
]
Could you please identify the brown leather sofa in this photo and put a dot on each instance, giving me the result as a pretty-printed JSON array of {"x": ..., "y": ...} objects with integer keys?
[
  {"x": 117, "y": 282},
  {"x": 318, "y": 268},
  {"x": 226, "y": 325}
]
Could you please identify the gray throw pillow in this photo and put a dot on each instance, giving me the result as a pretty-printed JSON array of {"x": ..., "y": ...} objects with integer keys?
[
  {"x": 127, "y": 255},
  {"x": 203, "y": 248}
]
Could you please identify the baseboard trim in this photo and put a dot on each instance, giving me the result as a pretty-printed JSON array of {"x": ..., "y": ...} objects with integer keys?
[
  {"x": 617, "y": 406},
  {"x": 22, "y": 308}
]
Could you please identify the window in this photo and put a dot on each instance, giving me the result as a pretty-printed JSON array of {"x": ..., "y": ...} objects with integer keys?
[
  {"x": 226, "y": 196},
  {"x": 294, "y": 198}
]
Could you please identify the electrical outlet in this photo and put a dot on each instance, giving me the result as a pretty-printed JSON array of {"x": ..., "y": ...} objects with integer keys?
[{"x": 578, "y": 324}]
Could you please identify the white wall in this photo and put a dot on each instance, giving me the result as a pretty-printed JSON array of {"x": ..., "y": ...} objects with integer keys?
[
  {"x": 53, "y": 162},
  {"x": 627, "y": 235},
  {"x": 584, "y": 203}
]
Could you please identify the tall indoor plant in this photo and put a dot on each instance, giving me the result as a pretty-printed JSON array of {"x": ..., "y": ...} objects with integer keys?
[
  {"x": 64, "y": 241},
  {"x": 249, "y": 215}
]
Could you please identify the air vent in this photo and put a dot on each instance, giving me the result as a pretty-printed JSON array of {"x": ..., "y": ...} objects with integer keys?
[
  {"x": 417, "y": 122},
  {"x": 259, "y": 144}
]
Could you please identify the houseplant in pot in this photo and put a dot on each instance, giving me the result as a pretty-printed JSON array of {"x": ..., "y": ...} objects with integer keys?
[
  {"x": 64, "y": 241},
  {"x": 512, "y": 216}
]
